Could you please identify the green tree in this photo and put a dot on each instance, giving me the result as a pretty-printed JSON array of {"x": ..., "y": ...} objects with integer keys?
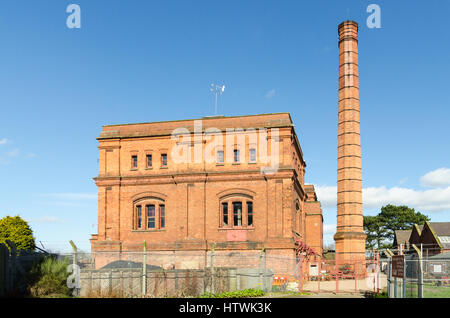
[
  {"x": 374, "y": 231},
  {"x": 18, "y": 231},
  {"x": 380, "y": 228},
  {"x": 395, "y": 218}
]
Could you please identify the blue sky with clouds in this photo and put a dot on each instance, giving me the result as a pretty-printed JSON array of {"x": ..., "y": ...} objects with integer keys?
[{"x": 138, "y": 61}]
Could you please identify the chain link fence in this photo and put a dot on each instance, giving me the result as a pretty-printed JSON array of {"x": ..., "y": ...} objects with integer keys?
[
  {"x": 175, "y": 274},
  {"x": 424, "y": 278}
]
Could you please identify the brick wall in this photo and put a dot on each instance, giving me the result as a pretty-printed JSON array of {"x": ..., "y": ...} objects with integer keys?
[{"x": 192, "y": 192}]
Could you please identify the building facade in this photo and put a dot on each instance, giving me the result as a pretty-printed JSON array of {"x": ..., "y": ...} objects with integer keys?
[{"x": 228, "y": 183}]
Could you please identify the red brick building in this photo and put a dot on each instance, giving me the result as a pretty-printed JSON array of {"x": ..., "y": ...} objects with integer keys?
[{"x": 232, "y": 183}]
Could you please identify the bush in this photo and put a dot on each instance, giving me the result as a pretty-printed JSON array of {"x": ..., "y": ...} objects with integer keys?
[
  {"x": 346, "y": 268},
  {"x": 49, "y": 277},
  {"x": 246, "y": 293},
  {"x": 18, "y": 231}
]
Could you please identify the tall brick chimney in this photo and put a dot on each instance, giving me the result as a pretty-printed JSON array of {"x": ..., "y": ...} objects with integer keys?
[{"x": 349, "y": 237}]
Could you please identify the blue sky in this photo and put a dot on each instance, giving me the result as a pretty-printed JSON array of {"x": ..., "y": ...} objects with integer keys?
[{"x": 139, "y": 61}]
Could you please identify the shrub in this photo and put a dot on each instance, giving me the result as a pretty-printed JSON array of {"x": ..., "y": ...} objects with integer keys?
[
  {"x": 49, "y": 277},
  {"x": 246, "y": 293},
  {"x": 18, "y": 231},
  {"x": 346, "y": 268}
]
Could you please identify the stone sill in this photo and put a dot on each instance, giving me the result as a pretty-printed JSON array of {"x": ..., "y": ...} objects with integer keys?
[
  {"x": 249, "y": 228},
  {"x": 155, "y": 230}
]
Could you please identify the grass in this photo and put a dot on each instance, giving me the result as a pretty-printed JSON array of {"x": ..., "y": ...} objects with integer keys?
[
  {"x": 286, "y": 294},
  {"x": 246, "y": 293},
  {"x": 429, "y": 291}
]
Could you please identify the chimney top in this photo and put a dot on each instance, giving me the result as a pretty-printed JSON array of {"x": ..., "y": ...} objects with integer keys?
[
  {"x": 348, "y": 23},
  {"x": 348, "y": 30}
]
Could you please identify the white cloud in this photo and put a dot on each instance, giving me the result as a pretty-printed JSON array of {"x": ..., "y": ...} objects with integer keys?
[
  {"x": 328, "y": 233},
  {"x": 432, "y": 200},
  {"x": 327, "y": 195},
  {"x": 270, "y": 94},
  {"x": 4, "y": 141},
  {"x": 13, "y": 153},
  {"x": 329, "y": 229},
  {"x": 436, "y": 178}
]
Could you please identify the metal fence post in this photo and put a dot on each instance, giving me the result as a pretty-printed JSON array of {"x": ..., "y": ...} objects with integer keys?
[
  {"x": 300, "y": 278},
  {"x": 320, "y": 275},
  {"x": 395, "y": 287},
  {"x": 74, "y": 266},
  {"x": 176, "y": 270},
  {"x": 262, "y": 271},
  {"x": 420, "y": 272},
  {"x": 420, "y": 279},
  {"x": 378, "y": 272},
  {"x": 265, "y": 270},
  {"x": 336, "y": 274},
  {"x": 389, "y": 278},
  {"x": 212, "y": 270},
  {"x": 144, "y": 270},
  {"x": 259, "y": 270},
  {"x": 404, "y": 280}
]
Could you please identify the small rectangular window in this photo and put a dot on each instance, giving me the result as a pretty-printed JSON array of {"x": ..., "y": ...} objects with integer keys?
[
  {"x": 225, "y": 213},
  {"x": 250, "y": 213},
  {"x": 220, "y": 156},
  {"x": 252, "y": 155},
  {"x": 139, "y": 216},
  {"x": 237, "y": 213},
  {"x": 134, "y": 161},
  {"x": 162, "y": 216},
  {"x": 164, "y": 160},
  {"x": 151, "y": 216},
  {"x": 149, "y": 161},
  {"x": 236, "y": 155}
]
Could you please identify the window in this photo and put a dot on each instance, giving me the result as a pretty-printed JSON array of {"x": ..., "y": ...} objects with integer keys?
[
  {"x": 236, "y": 210},
  {"x": 164, "y": 160},
  {"x": 220, "y": 156},
  {"x": 236, "y": 155},
  {"x": 250, "y": 213},
  {"x": 237, "y": 213},
  {"x": 149, "y": 161},
  {"x": 225, "y": 214},
  {"x": 134, "y": 162},
  {"x": 139, "y": 216},
  {"x": 252, "y": 155},
  {"x": 162, "y": 216},
  {"x": 151, "y": 216}
]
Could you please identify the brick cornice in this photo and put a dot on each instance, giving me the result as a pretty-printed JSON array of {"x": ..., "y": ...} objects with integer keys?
[{"x": 283, "y": 173}]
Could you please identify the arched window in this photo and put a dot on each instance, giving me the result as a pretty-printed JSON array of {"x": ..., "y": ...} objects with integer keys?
[
  {"x": 149, "y": 213},
  {"x": 236, "y": 210}
]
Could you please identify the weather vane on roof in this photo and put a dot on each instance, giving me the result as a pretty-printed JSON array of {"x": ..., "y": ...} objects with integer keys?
[{"x": 216, "y": 90}]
